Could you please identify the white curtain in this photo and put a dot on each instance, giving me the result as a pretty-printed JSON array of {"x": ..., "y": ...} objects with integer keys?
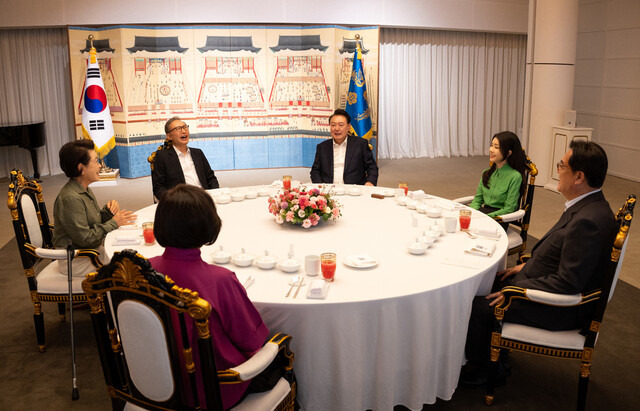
[
  {"x": 446, "y": 93},
  {"x": 35, "y": 86}
]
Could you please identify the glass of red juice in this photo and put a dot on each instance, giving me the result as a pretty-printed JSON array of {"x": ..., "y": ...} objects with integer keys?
[
  {"x": 286, "y": 182},
  {"x": 147, "y": 233},
  {"x": 465, "y": 219},
  {"x": 404, "y": 186},
  {"x": 328, "y": 266}
]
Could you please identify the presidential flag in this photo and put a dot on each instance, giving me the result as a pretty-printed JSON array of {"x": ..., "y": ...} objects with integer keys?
[
  {"x": 96, "y": 117},
  {"x": 357, "y": 105}
]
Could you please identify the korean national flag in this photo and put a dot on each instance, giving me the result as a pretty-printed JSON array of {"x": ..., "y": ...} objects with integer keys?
[{"x": 96, "y": 117}]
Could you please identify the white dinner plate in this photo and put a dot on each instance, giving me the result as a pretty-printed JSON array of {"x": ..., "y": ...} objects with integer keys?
[{"x": 354, "y": 262}]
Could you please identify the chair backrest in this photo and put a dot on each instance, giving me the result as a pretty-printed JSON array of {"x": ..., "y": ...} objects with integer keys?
[
  {"x": 526, "y": 200},
  {"x": 29, "y": 215},
  {"x": 146, "y": 352},
  {"x": 624, "y": 216},
  {"x": 152, "y": 158}
]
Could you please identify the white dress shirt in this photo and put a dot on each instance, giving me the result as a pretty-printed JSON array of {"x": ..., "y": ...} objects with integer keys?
[
  {"x": 575, "y": 200},
  {"x": 188, "y": 168},
  {"x": 339, "y": 153}
]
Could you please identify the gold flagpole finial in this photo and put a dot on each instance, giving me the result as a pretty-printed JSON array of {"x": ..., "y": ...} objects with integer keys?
[
  {"x": 92, "y": 51},
  {"x": 357, "y": 37}
]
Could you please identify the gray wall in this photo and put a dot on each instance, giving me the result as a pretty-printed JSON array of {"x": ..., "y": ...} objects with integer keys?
[
  {"x": 478, "y": 15},
  {"x": 607, "y": 82}
]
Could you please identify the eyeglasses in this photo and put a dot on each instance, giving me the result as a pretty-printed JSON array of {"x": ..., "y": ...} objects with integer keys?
[
  {"x": 181, "y": 128},
  {"x": 561, "y": 166}
]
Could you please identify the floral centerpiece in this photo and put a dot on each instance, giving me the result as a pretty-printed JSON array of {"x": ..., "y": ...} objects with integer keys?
[{"x": 302, "y": 206}]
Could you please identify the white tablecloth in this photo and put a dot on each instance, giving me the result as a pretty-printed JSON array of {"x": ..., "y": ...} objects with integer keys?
[{"x": 388, "y": 335}]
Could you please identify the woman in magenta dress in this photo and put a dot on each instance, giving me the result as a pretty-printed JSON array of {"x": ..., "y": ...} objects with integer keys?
[{"x": 185, "y": 220}]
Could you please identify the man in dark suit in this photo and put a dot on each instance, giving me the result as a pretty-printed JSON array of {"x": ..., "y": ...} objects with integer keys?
[
  {"x": 179, "y": 163},
  {"x": 569, "y": 259},
  {"x": 344, "y": 159}
]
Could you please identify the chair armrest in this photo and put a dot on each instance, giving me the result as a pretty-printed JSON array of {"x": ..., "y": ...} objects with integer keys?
[
  {"x": 507, "y": 218},
  {"x": 278, "y": 345},
  {"x": 463, "y": 200},
  {"x": 61, "y": 254},
  {"x": 546, "y": 298}
]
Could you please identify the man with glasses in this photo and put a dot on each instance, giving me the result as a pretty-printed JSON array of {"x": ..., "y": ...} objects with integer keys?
[
  {"x": 570, "y": 258},
  {"x": 179, "y": 163}
]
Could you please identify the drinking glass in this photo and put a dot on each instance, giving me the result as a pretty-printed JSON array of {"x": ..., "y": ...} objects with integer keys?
[
  {"x": 465, "y": 219},
  {"x": 286, "y": 182},
  {"x": 328, "y": 266},
  {"x": 147, "y": 233},
  {"x": 312, "y": 265},
  {"x": 404, "y": 186}
]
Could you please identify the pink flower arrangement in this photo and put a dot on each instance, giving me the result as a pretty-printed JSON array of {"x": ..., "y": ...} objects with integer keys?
[{"x": 303, "y": 206}]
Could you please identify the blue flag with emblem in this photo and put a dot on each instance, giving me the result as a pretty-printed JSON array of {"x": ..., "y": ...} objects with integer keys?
[
  {"x": 357, "y": 104},
  {"x": 96, "y": 116}
]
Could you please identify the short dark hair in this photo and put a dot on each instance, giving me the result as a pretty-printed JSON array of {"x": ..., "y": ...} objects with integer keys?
[
  {"x": 168, "y": 123},
  {"x": 591, "y": 159},
  {"x": 74, "y": 153},
  {"x": 186, "y": 217},
  {"x": 340, "y": 112}
]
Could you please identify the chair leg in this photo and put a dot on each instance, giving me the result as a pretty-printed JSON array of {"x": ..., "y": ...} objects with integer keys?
[
  {"x": 583, "y": 385},
  {"x": 493, "y": 372},
  {"x": 62, "y": 311},
  {"x": 38, "y": 319}
]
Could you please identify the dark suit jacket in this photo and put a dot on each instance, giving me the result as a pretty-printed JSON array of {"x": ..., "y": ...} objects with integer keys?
[
  {"x": 570, "y": 259},
  {"x": 359, "y": 164},
  {"x": 167, "y": 171}
]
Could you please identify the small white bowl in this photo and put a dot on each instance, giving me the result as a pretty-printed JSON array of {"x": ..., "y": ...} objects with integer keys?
[
  {"x": 222, "y": 199},
  {"x": 221, "y": 256},
  {"x": 266, "y": 262},
  {"x": 421, "y": 208},
  {"x": 251, "y": 194},
  {"x": 432, "y": 233},
  {"x": 243, "y": 259},
  {"x": 417, "y": 248},
  {"x": 428, "y": 239},
  {"x": 354, "y": 191},
  {"x": 290, "y": 265},
  {"x": 338, "y": 191},
  {"x": 437, "y": 228},
  {"x": 412, "y": 204},
  {"x": 264, "y": 192},
  {"x": 434, "y": 212},
  {"x": 401, "y": 201},
  {"x": 237, "y": 196}
]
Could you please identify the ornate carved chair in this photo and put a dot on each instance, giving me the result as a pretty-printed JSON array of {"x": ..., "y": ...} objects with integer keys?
[
  {"x": 561, "y": 344},
  {"x": 519, "y": 219},
  {"x": 152, "y": 158},
  {"x": 33, "y": 234},
  {"x": 144, "y": 356}
]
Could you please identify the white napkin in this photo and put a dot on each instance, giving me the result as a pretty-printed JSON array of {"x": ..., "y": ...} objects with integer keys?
[
  {"x": 417, "y": 195},
  {"x": 488, "y": 232},
  {"x": 482, "y": 247},
  {"x": 317, "y": 289},
  {"x": 361, "y": 259},
  {"x": 126, "y": 240},
  {"x": 246, "y": 280},
  {"x": 130, "y": 227},
  {"x": 447, "y": 205}
]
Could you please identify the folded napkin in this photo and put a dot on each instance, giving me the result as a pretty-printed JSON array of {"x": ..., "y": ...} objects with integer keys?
[
  {"x": 417, "y": 195},
  {"x": 126, "y": 240},
  {"x": 488, "y": 232},
  {"x": 448, "y": 205},
  {"x": 246, "y": 280},
  {"x": 130, "y": 227},
  {"x": 361, "y": 259},
  {"x": 318, "y": 289},
  {"x": 482, "y": 247}
]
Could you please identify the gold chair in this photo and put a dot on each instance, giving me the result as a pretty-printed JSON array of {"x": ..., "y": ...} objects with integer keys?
[
  {"x": 561, "y": 344},
  {"x": 152, "y": 158},
  {"x": 33, "y": 234},
  {"x": 519, "y": 219},
  {"x": 144, "y": 356}
]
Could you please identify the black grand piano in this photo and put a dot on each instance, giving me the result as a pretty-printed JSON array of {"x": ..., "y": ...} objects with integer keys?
[{"x": 28, "y": 136}]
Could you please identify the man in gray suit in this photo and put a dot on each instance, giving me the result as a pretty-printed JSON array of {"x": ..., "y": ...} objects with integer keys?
[
  {"x": 569, "y": 259},
  {"x": 180, "y": 163}
]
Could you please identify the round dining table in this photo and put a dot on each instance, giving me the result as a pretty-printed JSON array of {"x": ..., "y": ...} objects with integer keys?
[{"x": 391, "y": 334}]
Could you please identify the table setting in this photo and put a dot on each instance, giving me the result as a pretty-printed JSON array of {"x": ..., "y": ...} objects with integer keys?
[{"x": 382, "y": 300}]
